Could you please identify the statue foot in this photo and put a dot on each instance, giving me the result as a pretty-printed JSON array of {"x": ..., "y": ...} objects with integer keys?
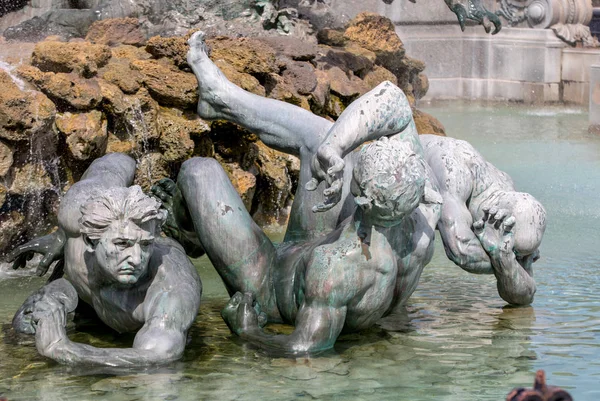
[
  {"x": 213, "y": 85},
  {"x": 164, "y": 190},
  {"x": 242, "y": 313}
]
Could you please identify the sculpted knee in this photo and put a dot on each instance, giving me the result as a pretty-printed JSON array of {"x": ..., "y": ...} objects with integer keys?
[{"x": 200, "y": 168}]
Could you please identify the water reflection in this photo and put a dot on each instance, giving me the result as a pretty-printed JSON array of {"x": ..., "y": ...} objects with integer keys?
[{"x": 456, "y": 340}]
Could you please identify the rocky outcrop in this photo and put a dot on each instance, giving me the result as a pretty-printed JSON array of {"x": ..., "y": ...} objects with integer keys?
[
  {"x": 117, "y": 31},
  {"x": 120, "y": 94},
  {"x": 79, "y": 57},
  {"x": 85, "y": 133},
  {"x": 23, "y": 113}
]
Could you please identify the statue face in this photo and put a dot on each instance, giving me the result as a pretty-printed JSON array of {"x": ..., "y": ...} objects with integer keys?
[{"x": 124, "y": 250}]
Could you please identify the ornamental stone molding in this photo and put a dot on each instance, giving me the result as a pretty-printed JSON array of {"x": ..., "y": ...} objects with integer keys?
[{"x": 569, "y": 19}]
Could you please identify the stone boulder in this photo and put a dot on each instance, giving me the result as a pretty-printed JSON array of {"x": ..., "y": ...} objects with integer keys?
[
  {"x": 12, "y": 227},
  {"x": 274, "y": 185},
  {"x": 3, "y": 192},
  {"x": 116, "y": 31},
  {"x": 428, "y": 124},
  {"x": 241, "y": 79},
  {"x": 151, "y": 167},
  {"x": 346, "y": 86},
  {"x": 85, "y": 133},
  {"x": 245, "y": 54},
  {"x": 377, "y": 34},
  {"x": 302, "y": 75},
  {"x": 6, "y": 158},
  {"x": 167, "y": 84},
  {"x": 377, "y": 75},
  {"x": 23, "y": 113},
  {"x": 292, "y": 47},
  {"x": 68, "y": 91},
  {"x": 119, "y": 72},
  {"x": 176, "y": 131},
  {"x": 174, "y": 48},
  {"x": 349, "y": 59},
  {"x": 80, "y": 57},
  {"x": 133, "y": 118},
  {"x": 244, "y": 182},
  {"x": 130, "y": 53},
  {"x": 30, "y": 179}
]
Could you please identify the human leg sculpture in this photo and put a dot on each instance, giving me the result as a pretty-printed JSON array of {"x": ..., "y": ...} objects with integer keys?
[{"x": 239, "y": 250}]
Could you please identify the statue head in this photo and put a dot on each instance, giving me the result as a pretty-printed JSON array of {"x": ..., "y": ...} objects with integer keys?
[
  {"x": 119, "y": 226},
  {"x": 388, "y": 181},
  {"x": 530, "y": 220}
]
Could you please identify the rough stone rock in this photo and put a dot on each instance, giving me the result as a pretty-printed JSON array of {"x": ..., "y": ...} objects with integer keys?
[
  {"x": 204, "y": 146},
  {"x": 116, "y": 31},
  {"x": 3, "y": 192},
  {"x": 151, "y": 167},
  {"x": 119, "y": 72},
  {"x": 233, "y": 144},
  {"x": 85, "y": 133},
  {"x": 319, "y": 98},
  {"x": 241, "y": 79},
  {"x": 428, "y": 124},
  {"x": 134, "y": 118},
  {"x": 274, "y": 185},
  {"x": 245, "y": 54},
  {"x": 174, "y": 48},
  {"x": 335, "y": 106},
  {"x": 66, "y": 90},
  {"x": 61, "y": 22},
  {"x": 294, "y": 48},
  {"x": 244, "y": 182},
  {"x": 80, "y": 57},
  {"x": 6, "y": 158},
  {"x": 280, "y": 88},
  {"x": 114, "y": 144},
  {"x": 331, "y": 37},
  {"x": 167, "y": 84},
  {"x": 23, "y": 114},
  {"x": 357, "y": 61},
  {"x": 344, "y": 87},
  {"x": 29, "y": 179},
  {"x": 176, "y": 131},
  {"x": 11, "y": 228},
  {"x": 377, "y": 34},
  {"x": 130, "y": 52},
  {"x": 302, "y": 75},
  {"x": 378, "y": 75},
  {"x": 420, "y": 85}
]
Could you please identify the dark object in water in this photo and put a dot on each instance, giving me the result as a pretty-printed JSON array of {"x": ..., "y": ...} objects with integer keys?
[{"x": 540, "y": 391}]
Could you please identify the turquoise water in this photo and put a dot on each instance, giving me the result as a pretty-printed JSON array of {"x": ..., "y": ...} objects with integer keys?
[{"x": 458, "y": 342}]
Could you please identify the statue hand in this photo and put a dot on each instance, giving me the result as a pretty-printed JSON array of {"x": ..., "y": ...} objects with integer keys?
[
  {"x": 242, "y": 313},
  {"x": 327, "y": 165},
  {"x": 475, "y": 11},
  {"x": 494, "y": 231},
  {"x": 51, "y": 246},
  {"x": 50, "y": 318}
]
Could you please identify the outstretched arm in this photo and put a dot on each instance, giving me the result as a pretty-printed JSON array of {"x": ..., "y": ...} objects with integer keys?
[
  {"x": 460, "y": 242},
  {"x": 169, "y": 310},
  {"x": 317, "y": 326},
  {"x": 383, "y": 111},
  {"x": 515, "y": 281},
  {"x": 112, "y": 170}
]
